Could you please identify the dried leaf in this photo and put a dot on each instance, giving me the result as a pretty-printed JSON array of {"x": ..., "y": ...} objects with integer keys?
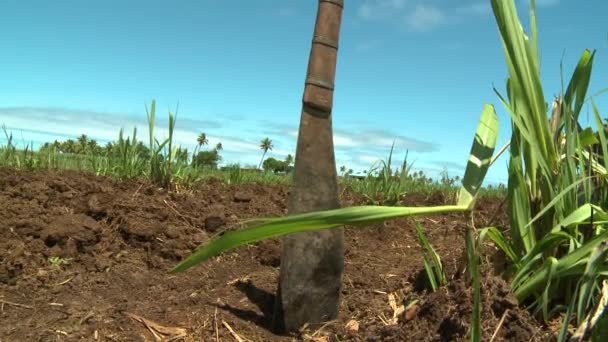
[
  {"x": 155, "y": 328},
  {"x": 352, "y": 326}
]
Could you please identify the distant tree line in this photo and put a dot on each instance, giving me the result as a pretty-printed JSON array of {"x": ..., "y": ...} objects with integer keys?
[
  {"x": 84, "y": 145},
  {"x": 278, "y": 166}
]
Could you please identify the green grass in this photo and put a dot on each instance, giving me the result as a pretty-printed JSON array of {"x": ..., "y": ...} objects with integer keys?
[
  {"x": 432, "y": 261},
  {"x": 59, "y": 261}
]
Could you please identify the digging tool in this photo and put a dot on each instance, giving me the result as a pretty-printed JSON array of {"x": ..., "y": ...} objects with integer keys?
[{"x": 312, "y": 262}]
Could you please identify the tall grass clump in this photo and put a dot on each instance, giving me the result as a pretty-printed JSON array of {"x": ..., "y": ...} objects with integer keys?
[
  {"x": 432, "y": 261},
  {"x": 9, "y": 152},
  {"x": 384, "y": 186},
  {"x": 10, "y": 155},
  {"x": 162, "y": 153},
  {"x": 381, "y": 185},
  {"x": 556, "y": 186},
  {"x": 127, "y": 163},
  {"x": 236, "y": 175},
  {"x": 552, "y": 237}
]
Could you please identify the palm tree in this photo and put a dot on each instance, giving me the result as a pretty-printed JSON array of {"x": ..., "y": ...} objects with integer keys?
[
  {"x": 109, "y": 148},
  {"x": 265, "y": 145},
  {"x": 83, "y": 140},
  {"x": 69, "y": 146},
  {"x": 93, "y": 146},
  {"x": 218, "y": 146},
  {"x": 288, "y": 160},
  {"x": 200, "y": 140}
]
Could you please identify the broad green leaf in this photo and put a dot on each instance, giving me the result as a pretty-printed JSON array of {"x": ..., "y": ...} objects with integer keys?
[
  {"x": 276, "y": 227},
  {"x": 587, "y": 137},
  {"x": 480, "y": 156}
]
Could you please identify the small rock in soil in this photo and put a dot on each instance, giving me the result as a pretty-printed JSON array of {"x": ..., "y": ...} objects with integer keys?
[
  {"x": 142, "y": 231},
  {"x": 172, "y": 232}
]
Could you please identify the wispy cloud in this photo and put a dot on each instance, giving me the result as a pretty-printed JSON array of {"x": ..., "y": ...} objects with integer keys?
[
  {"x": 380, "y": 9},
  {"x": 424, "y": 18},
  {"x": 383, "y": 138},
  {"x": 416, "y": 15},
  {"x": 475, "y": 8},
  {"x": 424, "y": 15},
  {"x": 359, "y": 138}
]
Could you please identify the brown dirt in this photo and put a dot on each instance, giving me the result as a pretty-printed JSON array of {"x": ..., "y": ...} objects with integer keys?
[{"x": 121, "y": 238}]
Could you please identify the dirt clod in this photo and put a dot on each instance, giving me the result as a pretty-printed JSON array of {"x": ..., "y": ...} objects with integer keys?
[
  {"x": 242, "y": 197},
  {"x": 213, "y": 223}
]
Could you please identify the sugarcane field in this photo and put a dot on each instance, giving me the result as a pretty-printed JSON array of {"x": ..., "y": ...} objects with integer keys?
[{"x": 289, "y": 171}]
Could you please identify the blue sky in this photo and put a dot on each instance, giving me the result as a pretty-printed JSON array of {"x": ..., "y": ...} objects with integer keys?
[{"x": 414, "y": 71}]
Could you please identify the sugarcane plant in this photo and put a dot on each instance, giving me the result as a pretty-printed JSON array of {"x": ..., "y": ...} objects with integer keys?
[{"x": 553, "y": 237}]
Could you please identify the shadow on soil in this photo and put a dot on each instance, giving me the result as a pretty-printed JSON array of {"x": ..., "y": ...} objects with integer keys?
[{"x": 264, "y": 301}]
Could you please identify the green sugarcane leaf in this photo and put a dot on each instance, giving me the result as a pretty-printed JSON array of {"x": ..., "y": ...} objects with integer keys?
[
  {"x": 587, "y": 137},
  {"x": 588, "y": 280},
  {"x": 480, "y": 156}
]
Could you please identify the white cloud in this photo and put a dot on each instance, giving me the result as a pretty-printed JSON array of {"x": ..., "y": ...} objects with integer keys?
[
  {"x": 424, "y": 18},
  {"x": 362, "y": 139},
  {"x": 477, "y": 8},
  {"x": 366, "y": 11},
  {"x": 417, "y": 15},
  {"x": 369, "y": 159},
  {"x": 380, "y": 9},
  {"x": 421, "y": 16},
  {"x": 343, "y": 140}
]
